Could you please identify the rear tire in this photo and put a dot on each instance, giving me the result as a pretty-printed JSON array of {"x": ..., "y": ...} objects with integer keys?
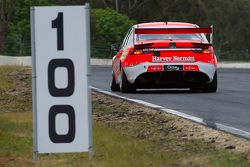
[
  {"x": 125, "y": 86},
  {"x": 211, "y": 87},
  {"x": 113, "y": 85}
]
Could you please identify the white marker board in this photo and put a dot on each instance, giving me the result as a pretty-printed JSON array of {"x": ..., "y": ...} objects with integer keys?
[{"x": 61, "y": 97}]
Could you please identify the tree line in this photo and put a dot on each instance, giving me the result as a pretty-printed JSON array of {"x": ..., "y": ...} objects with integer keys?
[{"x": 110, "y": 19}]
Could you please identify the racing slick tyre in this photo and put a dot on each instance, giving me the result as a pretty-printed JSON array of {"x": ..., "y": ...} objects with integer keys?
[
  {"x": 211, "y": 87},
  {"x": 113, "y": 85},
  {"x": 125, "y": 86}
]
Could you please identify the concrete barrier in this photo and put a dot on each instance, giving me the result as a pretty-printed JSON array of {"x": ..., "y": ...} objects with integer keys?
[
  {"x": 26, "y": 61},
  {"x": 102, "y": 62},
  {"x": 244, "y": 65},
  {"x": 11, "y": 60}
]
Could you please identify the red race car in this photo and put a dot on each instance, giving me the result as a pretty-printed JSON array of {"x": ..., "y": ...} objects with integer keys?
[{"x": 165, "y": 55}]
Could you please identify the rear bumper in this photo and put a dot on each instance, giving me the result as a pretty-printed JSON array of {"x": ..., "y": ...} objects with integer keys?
[{"x": 139, "y": 74}]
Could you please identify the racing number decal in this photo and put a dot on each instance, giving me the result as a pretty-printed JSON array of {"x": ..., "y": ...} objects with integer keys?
[{"x": 61, "y": 92}]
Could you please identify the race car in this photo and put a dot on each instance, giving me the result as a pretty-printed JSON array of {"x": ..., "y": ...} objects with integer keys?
[{"x": 165, "y": 55}]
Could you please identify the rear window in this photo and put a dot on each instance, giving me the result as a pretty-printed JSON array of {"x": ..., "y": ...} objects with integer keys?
[{"x": 143, "y": 37}]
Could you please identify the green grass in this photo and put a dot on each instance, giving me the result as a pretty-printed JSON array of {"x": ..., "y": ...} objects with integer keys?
[
  {"x": 112, "y": 148},
  {"x": 137, "y": 141}
]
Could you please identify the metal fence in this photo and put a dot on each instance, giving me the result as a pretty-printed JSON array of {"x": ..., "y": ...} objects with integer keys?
[
  {"x": 100, "y": 52},
  {"x": 23, "y": 48},
  {"x": 15, "y": 47},
  {"x": 233, "y": 55}
]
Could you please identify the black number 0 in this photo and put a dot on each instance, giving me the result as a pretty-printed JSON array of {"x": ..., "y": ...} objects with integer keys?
[
  {"x": 62, "y": 138},
  {"x": 61, "y": 92}
]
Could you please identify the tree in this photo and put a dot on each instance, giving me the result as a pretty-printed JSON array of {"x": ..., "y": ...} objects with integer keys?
[
  {"x": 18, "y": 34},
  {"x": 230, "y": 19},
  {"x": 67, "y": 2},
  {"x": 124, "y": 6},
  {"x": 107, "y": 27},
  {"x": 6, "y": 10}
]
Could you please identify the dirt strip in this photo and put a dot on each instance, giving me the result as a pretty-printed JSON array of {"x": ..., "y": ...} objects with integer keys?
[{"x": 166, "y": 124}]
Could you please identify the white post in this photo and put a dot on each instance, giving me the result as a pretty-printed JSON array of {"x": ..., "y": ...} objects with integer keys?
[
  {"x": 211, "y": 35},
  {"x": 34, "y": 93},
  {"x": 91, "y": 152}
]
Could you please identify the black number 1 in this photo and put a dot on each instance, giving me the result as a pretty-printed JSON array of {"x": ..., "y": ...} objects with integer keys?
[{"x": 58, "y": 23}]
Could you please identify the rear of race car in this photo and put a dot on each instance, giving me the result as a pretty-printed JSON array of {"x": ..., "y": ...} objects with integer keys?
[{"x": 171, "y": 62}]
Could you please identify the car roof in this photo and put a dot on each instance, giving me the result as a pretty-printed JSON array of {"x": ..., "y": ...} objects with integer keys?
[{"x": 165, "y": 25}]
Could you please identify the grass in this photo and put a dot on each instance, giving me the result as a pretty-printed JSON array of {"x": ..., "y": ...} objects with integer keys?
[{"x": 122, "y": 138}]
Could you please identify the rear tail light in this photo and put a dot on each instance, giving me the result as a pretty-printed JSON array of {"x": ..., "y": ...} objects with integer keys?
[
  {"x": 137, "y": 52},
  {"x": 206, "y": 51},
  {"x": 203, "y": 51},
  {"x": 208, "y": 56}
]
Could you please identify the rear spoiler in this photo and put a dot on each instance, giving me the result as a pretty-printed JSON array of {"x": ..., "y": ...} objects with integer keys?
[{"x": 208, "y": 30}]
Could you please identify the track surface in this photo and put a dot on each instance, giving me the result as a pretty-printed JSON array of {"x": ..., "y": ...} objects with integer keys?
[{"x": 230, "y": 105}]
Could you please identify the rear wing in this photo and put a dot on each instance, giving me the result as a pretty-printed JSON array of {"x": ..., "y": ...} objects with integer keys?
[{"x": 208, "y": 30}]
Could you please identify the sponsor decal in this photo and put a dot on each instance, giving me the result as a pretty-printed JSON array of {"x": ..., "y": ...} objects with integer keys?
[
  {"x": 155, "y": 68},
  {"x": 173, "y": 68},
  {"x": 191, "y": 68},
  {"x": 156, "y": 59},
  {"x": 161, "y": 59}
]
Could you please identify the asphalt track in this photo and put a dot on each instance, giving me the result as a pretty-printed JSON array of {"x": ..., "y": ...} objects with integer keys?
[{"x": 229, "y": 106}]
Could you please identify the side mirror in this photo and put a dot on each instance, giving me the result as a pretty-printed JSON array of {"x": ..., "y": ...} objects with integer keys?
[{"x": 114, "y": 49}]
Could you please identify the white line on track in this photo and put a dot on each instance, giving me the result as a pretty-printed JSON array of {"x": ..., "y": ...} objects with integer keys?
[{"x": 214, "y": 125}]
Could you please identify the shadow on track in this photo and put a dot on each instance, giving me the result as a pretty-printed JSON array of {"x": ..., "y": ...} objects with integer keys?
[{"x": 166, "y": 91}]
